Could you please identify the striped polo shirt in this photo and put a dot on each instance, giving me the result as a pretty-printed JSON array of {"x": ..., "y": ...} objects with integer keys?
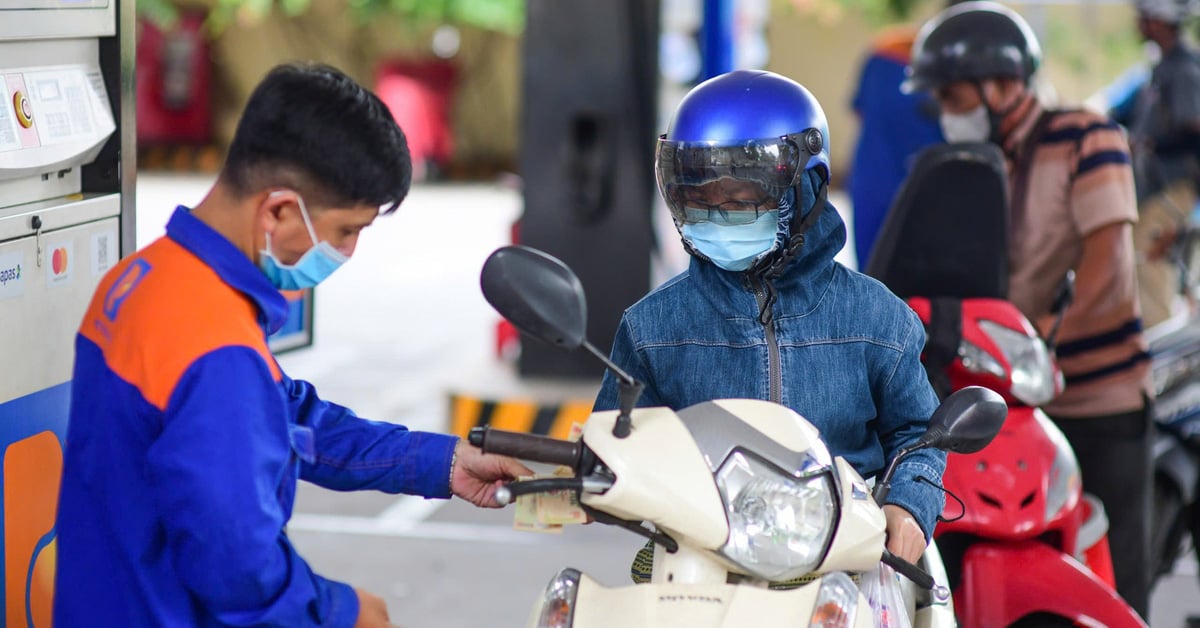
[{"x": 1080, "y": 184}]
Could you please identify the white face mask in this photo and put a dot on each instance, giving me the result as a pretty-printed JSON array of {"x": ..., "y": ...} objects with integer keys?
[{"x": 972, "y": 126}]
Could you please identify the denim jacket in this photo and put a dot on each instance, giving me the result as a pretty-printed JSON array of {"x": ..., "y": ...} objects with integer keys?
[{"x": 840, "y": 349}]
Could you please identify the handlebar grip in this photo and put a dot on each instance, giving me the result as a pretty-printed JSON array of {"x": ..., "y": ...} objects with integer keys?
[
  {"x": 526, "y": 446},
  {"x": 908, "y": 570}
]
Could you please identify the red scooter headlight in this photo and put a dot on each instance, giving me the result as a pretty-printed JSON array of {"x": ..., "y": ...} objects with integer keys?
[{"x": 1034, "y": 379}]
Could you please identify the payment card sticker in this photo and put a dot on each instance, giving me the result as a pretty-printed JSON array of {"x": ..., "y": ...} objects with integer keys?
[
  {"x": 61, "y": 262},
  {"x": 12, "y": 274}
]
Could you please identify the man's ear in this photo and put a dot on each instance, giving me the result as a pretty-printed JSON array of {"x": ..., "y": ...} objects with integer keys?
[{"x": 270, "y": 206}]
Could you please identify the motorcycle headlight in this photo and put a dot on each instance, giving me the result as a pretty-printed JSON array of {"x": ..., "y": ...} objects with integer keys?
[
  {"x": 1034, "y": 380},
  {"x": 837, "y": 602},
  {"x": 558, "y": 602},
  {"x": 779, "y": 525},
  {"x": 1064, "y": 472}
]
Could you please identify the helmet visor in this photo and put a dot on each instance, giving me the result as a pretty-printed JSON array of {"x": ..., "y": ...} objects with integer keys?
[{"x": 728, "y": 184}]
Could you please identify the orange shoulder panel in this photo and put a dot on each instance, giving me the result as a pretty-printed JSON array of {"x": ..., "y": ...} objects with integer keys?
[
  {"x": 895, "y": 43},
  {"x": 160, "y": 310}
]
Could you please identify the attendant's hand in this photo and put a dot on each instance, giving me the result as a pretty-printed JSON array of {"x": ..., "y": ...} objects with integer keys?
[
  {"x": 372, "y": 611},
  {"x": 904, "y": 536},
  {"x": 476, "y": 475}
]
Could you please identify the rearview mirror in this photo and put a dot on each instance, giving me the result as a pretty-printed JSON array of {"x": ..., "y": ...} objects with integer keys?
[
  {"x": 537, "y": 293},
  {"x": 966, "y": 421}
]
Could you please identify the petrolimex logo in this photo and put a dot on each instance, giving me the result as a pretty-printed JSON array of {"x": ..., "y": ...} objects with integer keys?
[{"x": 12, "y": 274}]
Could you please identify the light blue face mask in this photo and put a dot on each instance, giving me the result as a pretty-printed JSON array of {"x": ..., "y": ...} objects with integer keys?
[
  {"x": 312, "y": 268},
  {"x": 734, "y": 247}
]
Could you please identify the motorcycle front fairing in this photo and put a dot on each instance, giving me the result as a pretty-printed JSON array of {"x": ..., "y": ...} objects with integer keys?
[
  {"x": 701, "y": 606},
  {"x": 1003, "y": 582},
  {"x": 695, "y": 444},
  {"x": 1023, "y": 485}
]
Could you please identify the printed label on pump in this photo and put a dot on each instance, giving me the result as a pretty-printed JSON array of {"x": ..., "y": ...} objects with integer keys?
[
  {"x": 12, "y": 274},
  {"x": 9, "y": 140}
]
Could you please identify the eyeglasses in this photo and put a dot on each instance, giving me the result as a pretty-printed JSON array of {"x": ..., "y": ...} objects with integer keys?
[{"x": 727, "y": 212}]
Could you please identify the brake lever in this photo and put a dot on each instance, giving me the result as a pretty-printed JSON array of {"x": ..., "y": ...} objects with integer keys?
[{"x": 914, "y": 573}]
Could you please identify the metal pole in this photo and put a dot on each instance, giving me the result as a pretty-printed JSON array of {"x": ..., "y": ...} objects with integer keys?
[{"x": 716, "y": 38}]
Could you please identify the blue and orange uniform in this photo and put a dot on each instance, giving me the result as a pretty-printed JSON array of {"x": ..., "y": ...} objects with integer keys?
[
  {"x": 894, "y": 126},
  {"x": 184, "y": 447}
]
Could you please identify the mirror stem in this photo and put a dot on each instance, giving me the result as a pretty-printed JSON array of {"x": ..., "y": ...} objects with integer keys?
[
  {"x": 884, "y": 485},
  {"x": 628, "y": 391}
]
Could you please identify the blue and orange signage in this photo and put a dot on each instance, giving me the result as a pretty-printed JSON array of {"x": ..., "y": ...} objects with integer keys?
[{"x": 32, "y": 430}]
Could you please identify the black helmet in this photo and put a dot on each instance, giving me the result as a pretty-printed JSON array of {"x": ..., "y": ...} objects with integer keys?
[
  {"x": 972, "y": 41},
  {"x": 1167, "y": 11}
]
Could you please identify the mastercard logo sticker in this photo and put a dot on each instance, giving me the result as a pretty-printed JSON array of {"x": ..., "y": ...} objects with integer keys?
[{"x": 58, "y": 261}]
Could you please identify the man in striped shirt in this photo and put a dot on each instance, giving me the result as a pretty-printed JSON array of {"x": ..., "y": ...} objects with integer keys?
[{"x": 1072, "y": 209}]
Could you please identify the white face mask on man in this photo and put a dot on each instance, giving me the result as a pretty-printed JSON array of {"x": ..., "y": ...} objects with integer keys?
[{"x": 972, "y": 126}]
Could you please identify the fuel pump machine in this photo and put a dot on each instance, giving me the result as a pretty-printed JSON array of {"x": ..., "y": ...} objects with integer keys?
[{"x": 66, "y": 216}]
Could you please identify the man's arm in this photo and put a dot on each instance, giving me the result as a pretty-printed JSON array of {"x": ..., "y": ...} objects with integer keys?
[
  {"x": 346, "y": 452},
  {"x": 625, "y": 355},
  {"x": 905, "y": 406},
  {"x": 215, "y": 472},
  {"x": 1103, "y": 313}
]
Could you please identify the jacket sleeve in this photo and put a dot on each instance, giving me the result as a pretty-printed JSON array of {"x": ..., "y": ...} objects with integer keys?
[
  {"x": 625, "y": 355},
  {"x": 214, "y": 471},
  {"x": 352, "y": 453},
  {"x": 906, "y": 403}
]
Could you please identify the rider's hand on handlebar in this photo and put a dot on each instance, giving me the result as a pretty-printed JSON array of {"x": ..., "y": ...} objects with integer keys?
[
  {"x": 372, "y": 611},
  {"x": 476, "y": 475},
  {"x": 905, "y": 538}
]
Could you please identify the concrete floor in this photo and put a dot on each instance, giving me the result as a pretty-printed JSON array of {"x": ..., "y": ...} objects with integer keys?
[{"x": 397, "y": 330}]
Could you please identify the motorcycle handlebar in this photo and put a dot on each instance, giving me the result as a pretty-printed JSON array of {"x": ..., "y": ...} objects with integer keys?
[
  {"x": 527, "y": 446},
  {"x": 908, "y": 570}
]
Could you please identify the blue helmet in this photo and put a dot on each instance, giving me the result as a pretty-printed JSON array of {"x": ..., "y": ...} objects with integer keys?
[{"x": 744, "y": 125}]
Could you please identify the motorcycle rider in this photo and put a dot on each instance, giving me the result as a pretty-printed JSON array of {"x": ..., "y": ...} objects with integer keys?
[
  {"x": 1164, "y": 130},
  {"x": 764, "y": 311},
  {"x": 1072, "y": 207}
]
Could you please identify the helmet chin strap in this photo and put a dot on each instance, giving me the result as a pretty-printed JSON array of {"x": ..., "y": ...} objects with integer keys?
[
  {"x": 995, "y": 118},
  {"x": 772, "y": 266}
]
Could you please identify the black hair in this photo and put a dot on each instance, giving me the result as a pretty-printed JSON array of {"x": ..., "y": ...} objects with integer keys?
[{"x": 311, "y": 128}]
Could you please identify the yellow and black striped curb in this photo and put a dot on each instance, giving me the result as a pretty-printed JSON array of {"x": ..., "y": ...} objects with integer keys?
[{"x": 517, "y": 415}]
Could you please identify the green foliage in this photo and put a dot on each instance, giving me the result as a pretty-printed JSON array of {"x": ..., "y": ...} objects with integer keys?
[
  {"x": 160, "y": 12},
  {"x": 875, "y": 12},
  {"x": 505, "y": 16}
]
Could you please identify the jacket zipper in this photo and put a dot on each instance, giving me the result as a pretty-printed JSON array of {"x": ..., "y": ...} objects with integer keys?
[{"x": 774, "y": 369}]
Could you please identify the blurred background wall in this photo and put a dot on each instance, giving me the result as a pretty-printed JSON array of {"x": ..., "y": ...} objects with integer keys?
[{"x": 457, "y": 80}]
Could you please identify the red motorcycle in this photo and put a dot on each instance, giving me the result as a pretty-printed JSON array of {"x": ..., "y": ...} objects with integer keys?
[{"x": 1023, "y": 545}]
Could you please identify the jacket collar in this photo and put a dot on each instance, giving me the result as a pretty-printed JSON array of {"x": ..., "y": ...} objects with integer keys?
[{"x": 231, "y": 265}]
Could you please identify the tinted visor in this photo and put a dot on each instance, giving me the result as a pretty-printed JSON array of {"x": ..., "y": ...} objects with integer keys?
[{"x": 697, "y": 179}]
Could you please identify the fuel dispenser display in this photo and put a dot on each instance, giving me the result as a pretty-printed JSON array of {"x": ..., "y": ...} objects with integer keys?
[{"x": 65, "y": 217}]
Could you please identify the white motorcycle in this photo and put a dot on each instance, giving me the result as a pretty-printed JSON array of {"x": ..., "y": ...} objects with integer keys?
[{"x": 738, "y": 493}]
